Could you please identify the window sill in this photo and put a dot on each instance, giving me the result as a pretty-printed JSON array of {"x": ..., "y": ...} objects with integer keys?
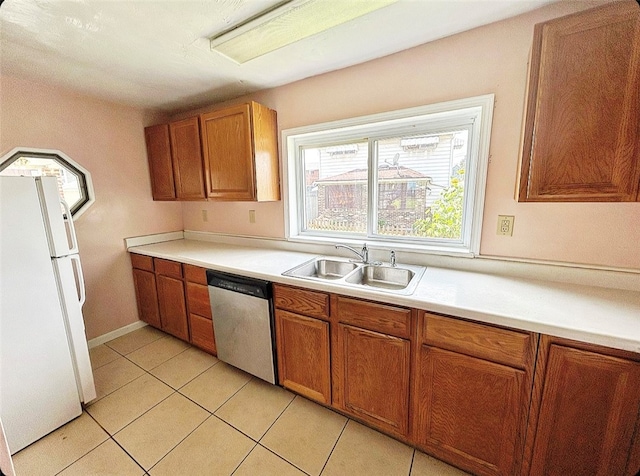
[{"x": 377, "y": 245}]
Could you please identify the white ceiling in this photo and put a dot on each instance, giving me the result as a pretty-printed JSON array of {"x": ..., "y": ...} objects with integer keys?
[{"x": 154, "y": 53}]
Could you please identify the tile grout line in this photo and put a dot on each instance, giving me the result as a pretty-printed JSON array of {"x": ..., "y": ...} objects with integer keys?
[
  {"x": 283, "y": 459},
  {"x": 277, "y": 418},
  {"x": 179, "y": 442},
  {"x": 118, "y": 444},
  {"x": 173, "y": 391},
  {"x": 256, "y": 441},
  {"x": 236, "y": 429},
  {"x": 223, "y": 403},
  {"x": 334, "y": 445},
  {"x": 78, "y": 459},
  {"x": 413, "y": 458}
]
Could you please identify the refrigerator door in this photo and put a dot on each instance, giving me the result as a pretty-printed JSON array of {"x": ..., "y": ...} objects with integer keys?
[
  {"x": 71, "y": 288},
  {"x": 61, "y": 233},
  {"x": 38, "y": 391}
]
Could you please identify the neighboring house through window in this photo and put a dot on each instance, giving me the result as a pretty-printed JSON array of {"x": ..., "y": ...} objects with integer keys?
[
  {"x": 414, "y": 177},
  {"x": 74, "y": 181}
]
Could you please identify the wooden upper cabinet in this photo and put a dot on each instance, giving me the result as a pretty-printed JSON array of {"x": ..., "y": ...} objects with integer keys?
[
  {"x": 240, "y": 148},
  {"x": 582, "y": 131},
  {"x": 175, "y": 160},
  {"x": 160, "y": 165},
  {"x": 588, "y": 411},
  {"x": 188, "y": 169}
]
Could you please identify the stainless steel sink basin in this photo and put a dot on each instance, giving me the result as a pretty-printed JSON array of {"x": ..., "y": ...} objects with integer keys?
[
  {"x": 401, "y": 279},
  {"x": 322, "y": 268},
  {"x": 385, "y": 277}
]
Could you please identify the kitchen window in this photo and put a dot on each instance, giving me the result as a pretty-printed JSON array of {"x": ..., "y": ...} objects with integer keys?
[
  {"x": 74, "y": 181},
  {"x": 411, "y": 179}
]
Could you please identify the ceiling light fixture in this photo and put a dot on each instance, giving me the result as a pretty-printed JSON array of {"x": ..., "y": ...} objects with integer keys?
[{"x": 287, "y": 23}]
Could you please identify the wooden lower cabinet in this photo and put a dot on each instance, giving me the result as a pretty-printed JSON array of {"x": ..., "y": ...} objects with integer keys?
[
  {"x": 462, "y": 391},
  {"x": 371, "y": 362},
  {"x": 584, "y": 416},
  {"x": 174, "y": 298},
  {"x": 302, "y": 341},
  {"x": 472, "y": 393},
  {"x": 147, "y": 297},
  {"x": 303, "y": 355},
  {"x": 469, "y": 411},
  {"x": 199, "y": 307},
  {"x": 371, "y": 371},
  {"x": 173, "y": 311},
  {"x": 201, "y": 331}
]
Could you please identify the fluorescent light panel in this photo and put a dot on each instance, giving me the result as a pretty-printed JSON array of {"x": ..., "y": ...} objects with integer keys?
[{"x": 287, "y": 24}]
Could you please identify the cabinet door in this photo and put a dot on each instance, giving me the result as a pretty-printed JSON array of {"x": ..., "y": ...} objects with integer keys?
[
  {"x": 303, "y": 355},
  {"x": 173, "y": 311},
  {"x": 469, "y": 411},
  {"x": 587, "y": 414},
  {"x": 160, "y": 165},
  {"x": 228, "y": 153},
  {"x": 188, "y": 167},
  {"x": 372, "y": 377},
  {"x": 147, "y": 297},
  {"x": 582, "y": 133}
]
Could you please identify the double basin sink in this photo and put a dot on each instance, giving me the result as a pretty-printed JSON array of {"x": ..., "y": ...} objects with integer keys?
[{"x": 401, "y": 279}]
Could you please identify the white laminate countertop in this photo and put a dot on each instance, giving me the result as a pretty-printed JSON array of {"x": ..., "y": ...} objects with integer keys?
[{"x": 605, "y": 316}]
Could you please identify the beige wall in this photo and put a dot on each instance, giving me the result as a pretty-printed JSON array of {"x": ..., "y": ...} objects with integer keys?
[
  {"x": 490, "y": 59},
  {"x": 108, "y": 140}
]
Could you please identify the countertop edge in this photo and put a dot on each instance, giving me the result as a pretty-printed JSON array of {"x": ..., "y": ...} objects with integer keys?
[{"x": 591, "y": 330}]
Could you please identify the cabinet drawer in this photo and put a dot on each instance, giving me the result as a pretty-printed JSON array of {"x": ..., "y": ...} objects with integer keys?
[
  {"x": 504, "y": 346},
  {"x": 168, "y": 268},
  {"x": 198, "y": 299},
  {"x": 374, "y": 316},
  {"x": 310, "y": 303},
  {"x": 202, "y": 333},
  {"x": 195, "y": 274},
  {"x": 142, "y": 262}
]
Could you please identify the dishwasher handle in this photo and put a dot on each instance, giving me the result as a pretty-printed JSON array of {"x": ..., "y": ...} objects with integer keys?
[{"x": 239, "y": 284}]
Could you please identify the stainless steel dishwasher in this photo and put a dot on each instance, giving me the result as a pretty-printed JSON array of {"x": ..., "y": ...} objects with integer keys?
[{"x": 243, "y": 323}]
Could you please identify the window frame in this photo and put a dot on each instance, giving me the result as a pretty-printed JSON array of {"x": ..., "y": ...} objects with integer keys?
[
  {"x": 479, "y": 110},
  {"x": 84, "y": 176}
]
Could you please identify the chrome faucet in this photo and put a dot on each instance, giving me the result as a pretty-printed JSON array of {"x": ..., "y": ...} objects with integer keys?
[
  {"x": 392, "y": 259},
  {"x": 363, "y": 255}
]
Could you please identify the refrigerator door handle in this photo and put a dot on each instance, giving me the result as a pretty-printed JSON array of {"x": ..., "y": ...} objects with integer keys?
[
  {"x": 77, "y": 269},
  {"x": 73, "y": 240}
]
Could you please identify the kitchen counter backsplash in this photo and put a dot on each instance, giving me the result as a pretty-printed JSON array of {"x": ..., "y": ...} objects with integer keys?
[{"x": 581, "y": 310}]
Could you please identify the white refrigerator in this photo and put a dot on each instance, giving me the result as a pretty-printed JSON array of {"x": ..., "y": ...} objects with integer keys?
[{"x": 45, "y": 371}]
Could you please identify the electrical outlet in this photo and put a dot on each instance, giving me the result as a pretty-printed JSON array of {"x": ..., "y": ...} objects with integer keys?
[
  {"x": 252, "y": 216},
  {"x": 205, "y": 215},
  {"x": 505, "y": 225}
]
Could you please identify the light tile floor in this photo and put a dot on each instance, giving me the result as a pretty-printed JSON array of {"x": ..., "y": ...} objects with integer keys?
[{"x": 165, "y": 408}]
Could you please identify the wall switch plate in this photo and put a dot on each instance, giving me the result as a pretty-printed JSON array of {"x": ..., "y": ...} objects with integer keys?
[
  {"x": 205, "y": 215},
  {"x": 252, "y": 216},
  {"x": 505, "y": 225}
]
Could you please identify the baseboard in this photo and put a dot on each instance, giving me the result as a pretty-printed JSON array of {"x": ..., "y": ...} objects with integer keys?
[{"x": 115, "y": 334}]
